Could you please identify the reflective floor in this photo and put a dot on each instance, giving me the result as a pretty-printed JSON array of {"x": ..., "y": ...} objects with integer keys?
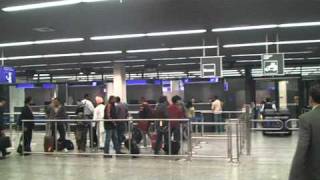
[{"x": 270, "y": 159}]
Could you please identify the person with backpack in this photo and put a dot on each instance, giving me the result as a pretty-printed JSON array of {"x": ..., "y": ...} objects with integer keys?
[
  {"x": 161, "y": 111},
  {"x": 26, "y": 114},
  {"x": 145, "y": 112},
  {"x": 2, "y": 127},
  {"x": 122, "y": 113}
]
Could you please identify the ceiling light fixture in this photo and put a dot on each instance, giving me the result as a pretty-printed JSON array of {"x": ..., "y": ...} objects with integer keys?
[
  {"x": 242, "y": 28},
  {"x": 248, "y": 44},
  {"x": 148, "y": 50},
  {"x": 300, "y": 24},
  {"x": 46, "y": 5},
  {"x": 299, "y": 42},
  {"x": 51, "y": 41},
  {"x": 124, "y": 36},
  {"x": 193, "y": 48},
  {"x": 170, "y": 33},
  {"x": 172, "y": 49},
  {"x": 60, "y": 55}
]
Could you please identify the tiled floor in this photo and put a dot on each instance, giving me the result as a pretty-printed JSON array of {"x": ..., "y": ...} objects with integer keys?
[{"x": 270, "y": 160}]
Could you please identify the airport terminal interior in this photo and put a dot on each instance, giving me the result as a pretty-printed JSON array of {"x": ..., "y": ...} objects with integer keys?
[{"x": 154, "y": 89}]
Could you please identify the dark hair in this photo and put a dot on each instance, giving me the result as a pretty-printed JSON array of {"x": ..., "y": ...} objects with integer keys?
[
  {"x": 118, "y": 99},
  {"x": 268, "y": 99},
  {"x": 2, "y": 99},
  {"x": 86, "y": 96},
  {"x": 175, "y": 99},
  {"x": 28, "y": 100},
  {"x": 216, "y": 97},
  {"x": 189, "y": 104},
  {"x": 315, "y": 93},
  {"x": 110, "y": 98},
  {"x": 57, "y": 99},
  {"x": 163, "y": 99}
]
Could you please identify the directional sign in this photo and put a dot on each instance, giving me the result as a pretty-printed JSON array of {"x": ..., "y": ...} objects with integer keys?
[
  {"x": 7, "y": 75},
  {"x": 211, "y": 67},
  {"x": 272, "y": 64}
]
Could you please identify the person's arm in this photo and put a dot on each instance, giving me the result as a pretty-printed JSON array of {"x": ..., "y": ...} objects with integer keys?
[
  {"x": 299, "y": 160},
  {"x": 90, "y": 106},
  {"x": 262, "y": 108},
  {"x": 274, "y": 107},
  {"x": 95, "y": 113}
]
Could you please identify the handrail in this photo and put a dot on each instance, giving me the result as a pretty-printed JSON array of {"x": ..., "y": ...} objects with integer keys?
[
  {"x": 220, "y": 112},
  {"x": 289, "y": 121},
  {"x": 267, "y": 120},
  {"x": 98, "y": 120}
]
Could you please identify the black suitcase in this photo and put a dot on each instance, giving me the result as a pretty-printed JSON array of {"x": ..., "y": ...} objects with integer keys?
[
  {"x": 175, "y": 148},
  {"x": 5, "y": 142},
  {"x": 65, "y": 144},
  {"x": 134, "y": 147},
  {"x": 48, "y": 144}
]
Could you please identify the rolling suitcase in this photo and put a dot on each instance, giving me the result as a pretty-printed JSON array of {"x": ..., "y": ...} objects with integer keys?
[
  {"x": 48, "y": 144},
  {"x": 134, "y": 147},
  {"x": 175, "y": 148},
  {"x": 5, "y": 142}
]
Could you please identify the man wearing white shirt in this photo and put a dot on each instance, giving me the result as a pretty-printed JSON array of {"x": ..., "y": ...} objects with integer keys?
[
  {"x": 216, "y": 107},
  {"x": 88, "y": 110}
]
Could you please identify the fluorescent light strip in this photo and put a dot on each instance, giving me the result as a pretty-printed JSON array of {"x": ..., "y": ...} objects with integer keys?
[
  {"x": 301, "y": 24},
  {"x": 51, "y": 41},
  {"x": 178, "y": 64},
  {"x": 60, "y": 55},
  {"x": 98, "y": 62},
  {"x": 299, "y": 42},
  {"x": 242, "y": 28},
  {"x": 247, "y": 61},
  {"x": 46, "y": 5},
  {"x": 253, "y": 55},
  {"x": 314, "y": 58},
  {"x": 130, "y": 61},
  {"x": 33, "y": 65},
  {"x": 169, "y": 33},
  {"x": 171, "y": 49},
  {"x": 124, "y": 36},
  {"x": 248, "y": 44},
  {"x": 167, "y": 59}
]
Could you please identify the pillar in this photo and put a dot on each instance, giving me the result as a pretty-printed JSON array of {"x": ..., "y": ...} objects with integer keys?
[
  {"x": 250, "y": 87},
  {"x": 283, "y": 100},
  {"x": 119, "y": 82}
]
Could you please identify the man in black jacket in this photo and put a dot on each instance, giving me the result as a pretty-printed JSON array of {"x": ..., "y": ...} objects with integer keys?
[
  {"x": 26, "y": 114},
  {"x": 2, "y": 125}
]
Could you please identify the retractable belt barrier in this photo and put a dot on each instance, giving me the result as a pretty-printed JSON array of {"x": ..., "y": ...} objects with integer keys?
[
  {"x": 266, "y": 121},
  {"x": 181, "y": 133},
  {"x": 289, "y": 123}
]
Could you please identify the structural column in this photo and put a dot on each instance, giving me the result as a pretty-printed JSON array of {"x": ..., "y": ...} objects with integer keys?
[
  {"x": 250, "y": 87},
  {"x": 119, "y": 81}
]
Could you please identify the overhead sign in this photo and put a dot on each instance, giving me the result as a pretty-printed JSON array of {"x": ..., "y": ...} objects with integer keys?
[
  {"x": 7, "y": 75},
  {"x": 211, "y": 67},
  {"x": 272, "y": 64}
]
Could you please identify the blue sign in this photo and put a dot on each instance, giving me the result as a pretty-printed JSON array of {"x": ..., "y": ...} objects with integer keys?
[{"x": 7, "y": 75}]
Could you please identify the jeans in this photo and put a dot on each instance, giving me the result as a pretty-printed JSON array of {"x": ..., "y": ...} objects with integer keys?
[
  {"x": 160, "y": 135},
  {"x": 61, "y": 130},
  {"x": 218, "y": 118},
  {"x": 81, "y": 136},
  {"x": 121, "y": 128},
  {"x": 27, "y": 139},
  {"x": 111, "y": 134}
]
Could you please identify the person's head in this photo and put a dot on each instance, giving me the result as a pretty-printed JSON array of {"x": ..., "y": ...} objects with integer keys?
[
  {"x": 315, "y": 94},
  {"x": 189, "y": 104},
  {"x": 193, "y": 100},
  {"x": 118, "y": 99},
  {"x": 99, "y": 100},
  {"x": 28, "y": 100},
  {"x": 163, "y": 99},
  {"x": 86, "y": 96},
  {"x": 56, "y": 102},
  {"x": 215, "y": 98},
  {"x": 176, "y": 99},
  {"x": 268, "y": 99},
  {"x": 2, "y": 101},
  {"x": 111, "y": 99}
]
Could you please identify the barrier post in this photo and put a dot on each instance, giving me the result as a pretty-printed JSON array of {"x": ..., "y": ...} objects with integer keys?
[
  {"x": 169, "y": 138},
  {"x": 189, "y": 141},
  {"x": 230, "y": 142},
  {"x": 238, "y": 142},
  {"x": 55, "y": 135},
  {"x": 91, "y": 135},
  {"x": 22, "y": 130},
  {"x": 248, "y": 130},
  {"x": 181, "y": 139},
  {"x": 130, "y": 135}
]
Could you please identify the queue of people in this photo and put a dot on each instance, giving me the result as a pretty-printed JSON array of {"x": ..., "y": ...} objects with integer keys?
[{"x": 101, "y": 133}]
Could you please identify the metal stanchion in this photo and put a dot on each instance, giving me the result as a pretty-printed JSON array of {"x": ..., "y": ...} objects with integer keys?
[
  {"x": 130, "y": 123},
  {"x": 230, "y": 142},
  {"x": 169, "y": 138},
  {"x": 238, "y": 142},
  {"x": 248, "y": 131},
  {"x": 22, "y": 137},
  {"x": 98, "y": 133},
  {"x": 202, "y": 126},
  {"x": 189, "y": 141},
  {"x": 181, "y": 139},
  {"x": 55, "y": 135},
  {"x": 91, "y": 135}
]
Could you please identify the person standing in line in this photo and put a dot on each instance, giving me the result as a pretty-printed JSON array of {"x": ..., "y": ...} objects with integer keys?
[
  {"x": 306, "y": 162},
  {"x": 161, "y": 112},
  {"x": 190, "y": 111},
  {"x": 216, "y": 107},
  {"x": 58, "y": 112},
  {"x": 111, "y": 127},
  {"x": 26, "y": 114},
  {"x": 122, "y": 113},
  {"x": 175, "y": 112},
  {"x": 98, "y": 114},
  {"x": 2, "y": 125},
  {"x": 88, "y": 110}
]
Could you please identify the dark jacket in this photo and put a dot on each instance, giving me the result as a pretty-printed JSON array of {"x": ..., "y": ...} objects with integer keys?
[
  {"x": 2, "y": 125},
  {"x": 110, "y": 112},
  {"x": 60, "y": 114},
  {"x": 26, "y": 114},
  {"x": 306, "y": 162}
]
